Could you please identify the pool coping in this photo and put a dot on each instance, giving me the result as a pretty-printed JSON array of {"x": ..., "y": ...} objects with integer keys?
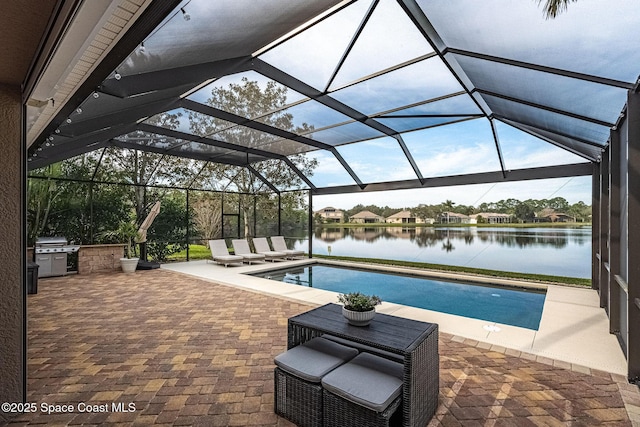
[
  {"x": 436, "y": 274},
  {"x": 573, "y": 332}
]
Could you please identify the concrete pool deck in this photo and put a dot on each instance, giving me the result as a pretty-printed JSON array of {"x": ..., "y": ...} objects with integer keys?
[{"x": 573, "y": 333}]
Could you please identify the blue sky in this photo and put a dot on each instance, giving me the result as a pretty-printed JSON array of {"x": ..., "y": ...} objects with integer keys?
[
  {"x": 518, "y": 31},
  {"x": 453, "y": 149}
]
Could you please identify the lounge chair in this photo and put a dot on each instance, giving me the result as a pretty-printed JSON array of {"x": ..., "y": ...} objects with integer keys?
[
  {"x": 262, "y": 247},
  {"x": 220, "y": 253},
  {"x": 241, "y": 247},
  {"x": 281, "y": 246}
]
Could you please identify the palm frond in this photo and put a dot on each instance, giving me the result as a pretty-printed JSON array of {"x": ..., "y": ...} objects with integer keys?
[{"x": 552, "y": 8}]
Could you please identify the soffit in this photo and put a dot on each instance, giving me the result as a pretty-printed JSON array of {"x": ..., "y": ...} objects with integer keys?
[
  {"x": 22, "y": 24},
  {"x": 95, "y": 29}
]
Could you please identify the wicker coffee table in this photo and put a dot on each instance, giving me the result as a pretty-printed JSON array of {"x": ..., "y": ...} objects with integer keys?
[{"x": 416, "y": 342}]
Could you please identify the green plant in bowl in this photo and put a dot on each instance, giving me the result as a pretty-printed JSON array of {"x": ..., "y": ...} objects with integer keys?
[
  {"x": 357, "y": 301},
  {"x": 358, "y": 308}
]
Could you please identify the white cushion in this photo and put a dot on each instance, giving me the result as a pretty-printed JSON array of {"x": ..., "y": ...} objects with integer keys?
[{"x": 228, "y": 258}]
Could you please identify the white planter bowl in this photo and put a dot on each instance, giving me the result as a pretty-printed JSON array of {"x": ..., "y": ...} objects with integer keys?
[
  {"x": 129, "y": 265},
  {"x": 358, "y": 318}
]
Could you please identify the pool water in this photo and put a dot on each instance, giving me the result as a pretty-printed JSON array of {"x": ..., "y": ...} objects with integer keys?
[{"x": 508, "y": 306}]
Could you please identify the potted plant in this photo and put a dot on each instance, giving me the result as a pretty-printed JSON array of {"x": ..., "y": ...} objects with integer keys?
[
  {"x": 127, "y": 231},
  {"x": 358, "y": 308}
]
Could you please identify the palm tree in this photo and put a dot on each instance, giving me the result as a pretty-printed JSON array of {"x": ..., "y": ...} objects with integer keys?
[
  {"x": 448, "y": 205},
  {"x": 553, "y": 8}
]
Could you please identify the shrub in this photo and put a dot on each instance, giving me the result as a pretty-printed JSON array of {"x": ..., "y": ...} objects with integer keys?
[{"x": 356, "y": 301}]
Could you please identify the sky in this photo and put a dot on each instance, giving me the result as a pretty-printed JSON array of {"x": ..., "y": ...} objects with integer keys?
[
  {"x": 518, "y": 31},
  {"x": 572, "y": 189}
]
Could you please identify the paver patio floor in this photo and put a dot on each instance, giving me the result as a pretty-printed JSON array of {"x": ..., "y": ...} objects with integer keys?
[{"x": 186, "y": 351}]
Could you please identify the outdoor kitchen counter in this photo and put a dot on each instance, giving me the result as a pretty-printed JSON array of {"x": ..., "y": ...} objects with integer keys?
[
  {"x": 51, "y": 255},
  {"x": 100, "y": 258}
]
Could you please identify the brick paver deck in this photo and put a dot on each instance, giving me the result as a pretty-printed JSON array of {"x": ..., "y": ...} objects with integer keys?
[{"x": 184, "y": 351}]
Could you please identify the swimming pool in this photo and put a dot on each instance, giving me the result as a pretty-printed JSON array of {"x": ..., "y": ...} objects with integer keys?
[{"x": 509, "y": 306}]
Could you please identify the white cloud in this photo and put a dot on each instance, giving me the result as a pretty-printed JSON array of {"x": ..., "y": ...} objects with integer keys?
[
  {"x": 517, "y": 29},
  {"x": 507, "y": 28},
  {"x": 456, "y": 160},
  {"x": 522, "y": 158}
]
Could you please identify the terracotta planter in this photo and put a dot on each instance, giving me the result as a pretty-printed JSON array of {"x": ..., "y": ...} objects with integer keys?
[
  {"x": 129, "y": 265},
  {"x": 358, "y": 318}
]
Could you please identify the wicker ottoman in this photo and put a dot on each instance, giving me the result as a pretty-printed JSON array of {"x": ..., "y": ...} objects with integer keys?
[
  {"x": 363, "y": 392},
  {"x": 297, "y": 376}
]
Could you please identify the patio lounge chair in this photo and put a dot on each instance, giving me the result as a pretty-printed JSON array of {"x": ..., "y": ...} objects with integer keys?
[
  {"x": 262, "y": 247},
  {"x": 220, "y": 253},
  {"x": 281, "y": 246},
  {"x": 241, "y": 247}
]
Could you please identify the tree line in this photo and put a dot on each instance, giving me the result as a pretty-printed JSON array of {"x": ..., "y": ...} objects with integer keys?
[
  {"x": 84, "y": 197},
  {"x": 522, "y": 211},
  {"x": 88, "y": 212}
]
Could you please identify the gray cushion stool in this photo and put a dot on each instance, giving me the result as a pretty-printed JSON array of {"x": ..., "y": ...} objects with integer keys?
[
  {"x": 298, "y": 393},
  {"x": 363, "y": 392}
]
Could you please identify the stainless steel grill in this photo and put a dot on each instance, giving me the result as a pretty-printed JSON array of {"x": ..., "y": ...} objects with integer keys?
[{"x": 51, "y": 255}]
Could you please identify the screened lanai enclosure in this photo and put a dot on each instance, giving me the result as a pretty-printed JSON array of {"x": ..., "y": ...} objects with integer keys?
[
  {"x": 260, "y": 102},
  {"x": 86, "y": 198}
]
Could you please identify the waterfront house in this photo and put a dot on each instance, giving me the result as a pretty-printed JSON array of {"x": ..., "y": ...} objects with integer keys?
[
  {"x": 366, "y": 217},
  {"x": 550, "y": 215},
  {"x": 405, "y": 217},
  {"x": 490, "y": 218},
  {"x": 330, "y": 214},
  {"x": 453, "y": 218},
  {"x": 556, "y": 217}
]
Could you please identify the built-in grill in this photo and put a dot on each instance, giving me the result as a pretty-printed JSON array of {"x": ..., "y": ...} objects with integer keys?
[{"x": 51, "y": 255}]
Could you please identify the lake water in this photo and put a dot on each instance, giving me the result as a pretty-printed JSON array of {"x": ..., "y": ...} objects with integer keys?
[{"x": 540, "y": 250}]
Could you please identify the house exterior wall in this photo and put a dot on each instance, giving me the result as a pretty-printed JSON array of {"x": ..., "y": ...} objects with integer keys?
[
  {"x": 453, "y": 218},
  {"x": 366, "y": 217},
  {"x": 404, "y": 220},
  {"x": 491, "y": 218},
  {"x": 365, "y": 220},
  {"x": 12, "y": 251},
  {"x": 396, "y": 220},
  {"x": 331, "y": 215}
]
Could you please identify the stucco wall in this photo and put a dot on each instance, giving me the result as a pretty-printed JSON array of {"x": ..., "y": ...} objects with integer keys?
[{"x": 12, "y": 250}]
